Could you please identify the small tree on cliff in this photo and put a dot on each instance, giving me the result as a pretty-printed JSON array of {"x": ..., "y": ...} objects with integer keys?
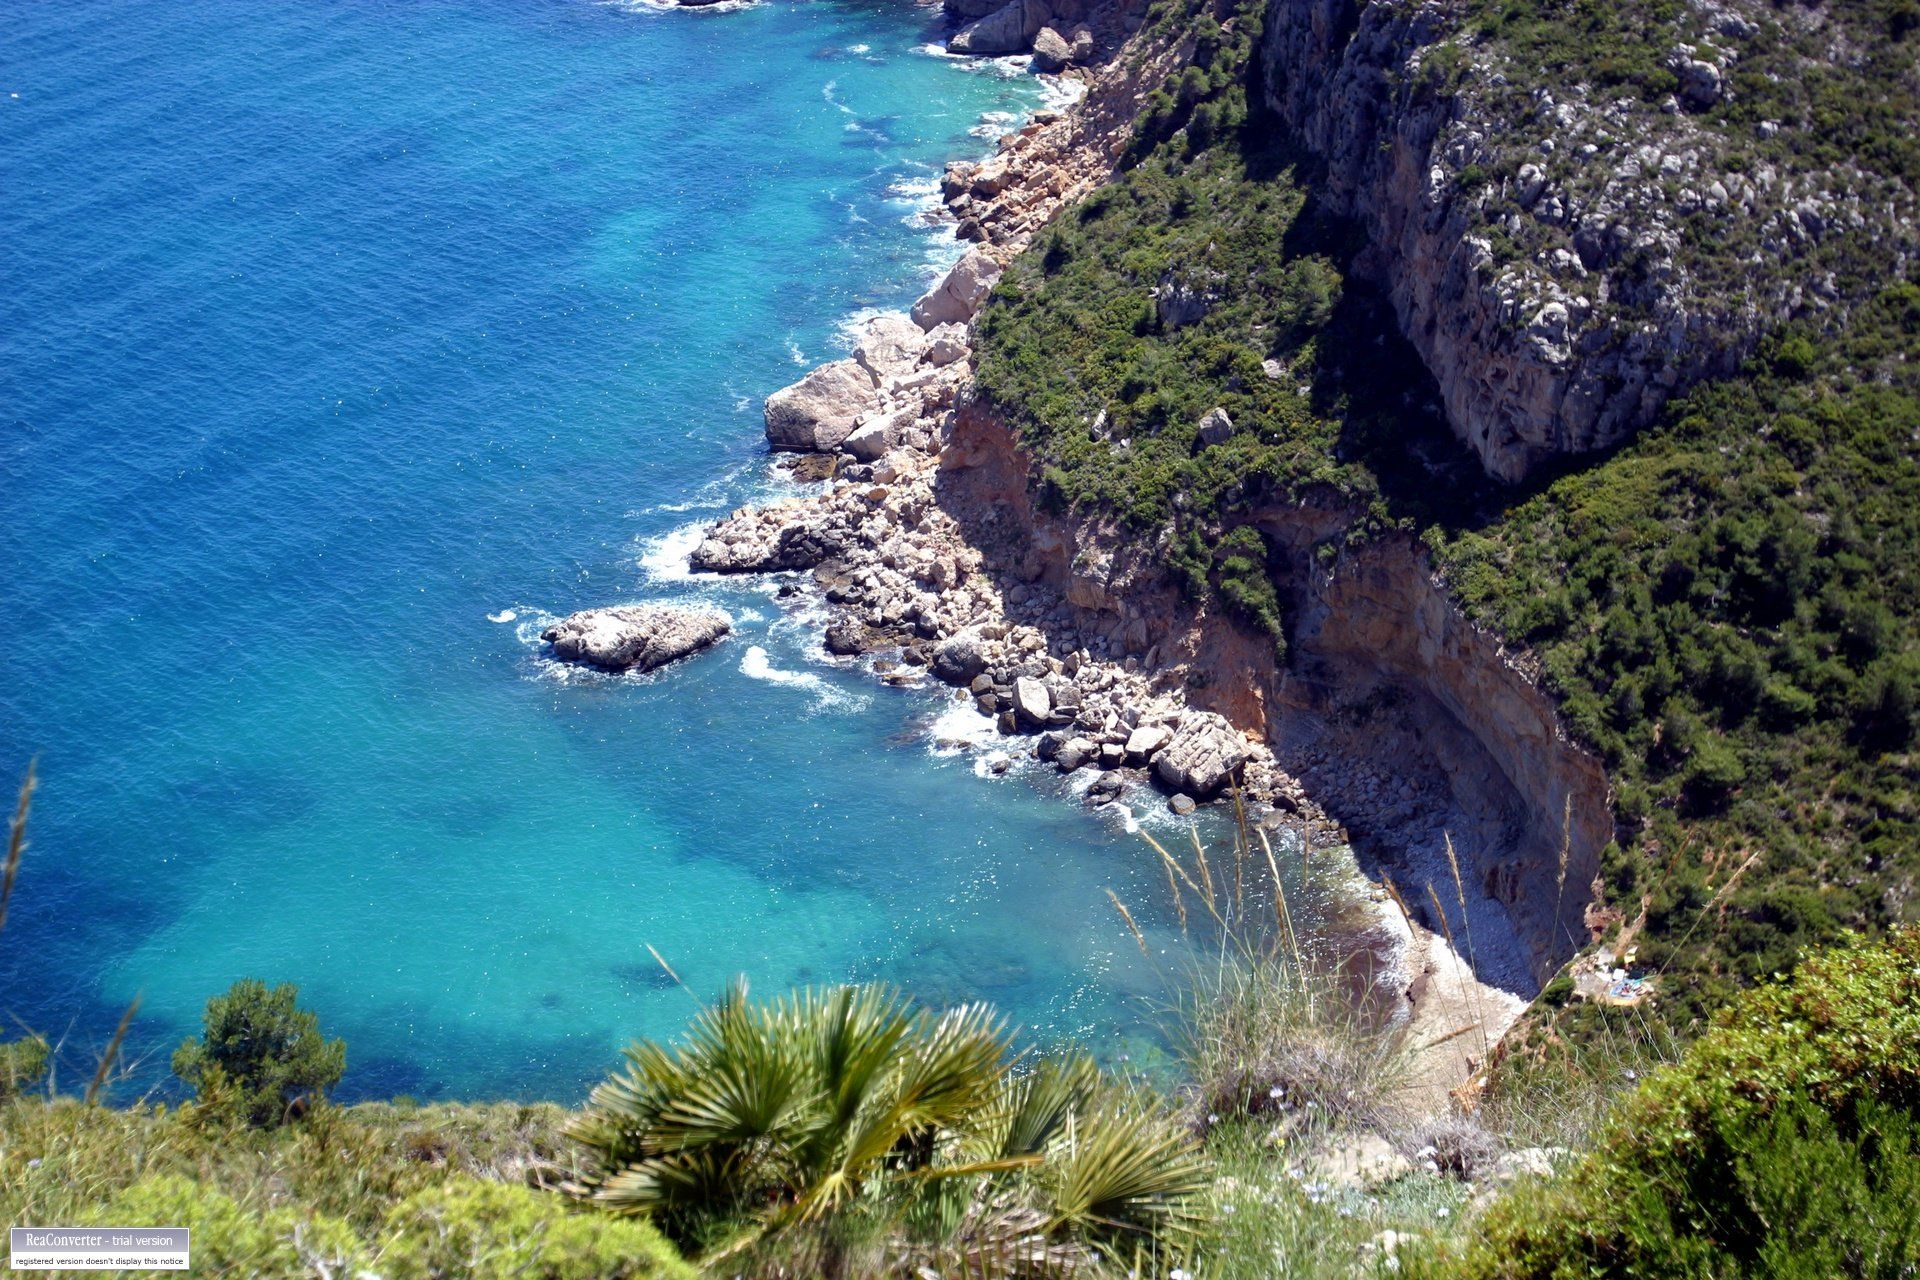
[{"x": 261, "y": 1058}]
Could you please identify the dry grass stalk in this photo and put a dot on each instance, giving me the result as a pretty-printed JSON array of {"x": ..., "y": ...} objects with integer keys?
[
  {"x": 1242, "y": 852},
  {"x": 662, "y": 962},
  {"x": 1206, "y": 872},
  {"x": 112, "y": 1053},
  {"x": 1281, "y": 911},
  {"x": 1446, "y": 929},
  {"x": 1174, "y": 868},
  {"x": 1719, "y": 896},
  {"x": 16, "y": 840},
  {"x": 1566, "y": 851},
  {"x": 1132, "y": 928},
  {"x": 1466, "y": 922},
  {"x": 1406, "y": 916},
  {"x": 1285, "y": 915}
]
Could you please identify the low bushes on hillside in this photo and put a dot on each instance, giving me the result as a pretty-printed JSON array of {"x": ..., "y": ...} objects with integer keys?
[{"x": 1786, "y": 1143}]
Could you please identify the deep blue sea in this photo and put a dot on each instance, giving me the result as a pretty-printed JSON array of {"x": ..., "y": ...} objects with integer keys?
[{"x": 330, "y": 334}]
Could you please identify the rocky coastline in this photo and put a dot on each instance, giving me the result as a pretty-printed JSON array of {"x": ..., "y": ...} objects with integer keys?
[{"x": 1397, "y": 728}]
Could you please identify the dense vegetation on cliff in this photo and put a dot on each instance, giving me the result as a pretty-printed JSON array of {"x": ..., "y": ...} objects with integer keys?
[
  {"x": 1201, "y": 279},
  {"x": 1726, "y": 607}
]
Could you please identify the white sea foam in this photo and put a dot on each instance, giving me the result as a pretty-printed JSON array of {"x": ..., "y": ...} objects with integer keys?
[
  {"x": 859, "y": 48},
  {"x": 960, "y": 728},
  {"x": 993, "y": 124},
  {"x": 756, "y": 665},
  {"x": 664, "y": 557},
  {"x": 913, "y": 190},
  {"x": 668, "y": 6},
  {"x": 851, "y": 329},
  {"x": 793, "y": 349},
  {"x": 531, "y": 624},
  {"x": 715, "y": 495},
  {"x": 1057, "y": 93},
  {"x": 505, "y": 615}
]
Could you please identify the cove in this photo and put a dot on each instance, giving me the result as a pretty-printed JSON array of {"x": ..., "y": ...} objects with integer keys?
[{"x": 333, "y": 335}]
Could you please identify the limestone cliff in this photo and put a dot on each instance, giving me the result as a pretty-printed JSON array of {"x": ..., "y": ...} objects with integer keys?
[{"x": 1569, "y": 247}]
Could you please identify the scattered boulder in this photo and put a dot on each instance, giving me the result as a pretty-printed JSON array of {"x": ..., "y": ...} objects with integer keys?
[
  {"x": 1700, "y": 81},
  {"x": 959, "y": 661},
  {"x": 815, "y": 414},
  {"x": 1215, "y": 427},
  {"x": 1051, "y": 52},
  {"x": 1146, "y": 741},
  {"x": 959, "y": 293},
  {"x": 868, "y": 441},
  {"x": 1031, "y": 701},
  {"x": 1073, "y": 753},
  {"x": 846, "y": 637},
  {"x": 1202, "y": 755},
  {"x": 890, "y": 346},
  {"x": 947, "y": 345},
  {"x": 636, "y": 637},
  {"x": 1008, "y": 29},
  {"x": 1364, "y": 1160},
  {"x": 1181, "y": 805},
  {"x": 769, "y": 539},
  {"x": 1048, "y": 747},
  {"x": 1177, "y": 304}
]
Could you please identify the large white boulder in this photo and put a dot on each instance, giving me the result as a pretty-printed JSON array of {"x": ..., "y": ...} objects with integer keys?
[
  {"x": 1008, "y": 29},
  {"x": 890, "y": 346},
  {"x": 959, "y": 293},
  {"x": 815, "y": 414},
  {"x": 1202, "y": 755},
  {"x": 635, "y": 637}
]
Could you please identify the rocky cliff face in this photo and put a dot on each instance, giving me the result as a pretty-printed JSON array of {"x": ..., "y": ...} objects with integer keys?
[
  {"x": 1397, "y": 718},
  {"x": 1567, "y": 255},
  {"x": 1533, "y": 807}
]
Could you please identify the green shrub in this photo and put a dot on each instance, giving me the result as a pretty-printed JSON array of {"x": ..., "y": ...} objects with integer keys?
[
  {"x": 1728, "y": 609},
  {"x": 491, "y": 1230},
  {"x": 1786, "y": 1143},
  {"x": 260, "y": 1055},
  {"x": 23, "y": 1063},
  {"x": 1246, "y": 583},
  {"x": 231, "y": 1240}
]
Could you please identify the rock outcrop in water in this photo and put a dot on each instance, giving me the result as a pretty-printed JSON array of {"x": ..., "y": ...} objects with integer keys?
[
  {"x": 1058, "y": 32},
  {"x": 638, "y": 637}
]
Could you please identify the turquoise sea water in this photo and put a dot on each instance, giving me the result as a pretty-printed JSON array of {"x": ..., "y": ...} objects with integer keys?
[{"x": 331, "y": 331}]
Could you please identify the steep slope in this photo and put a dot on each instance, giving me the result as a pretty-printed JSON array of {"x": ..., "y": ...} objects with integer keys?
[
  {"x": 1582, "y": 209},
  {"x": 1251, "y": 354}
]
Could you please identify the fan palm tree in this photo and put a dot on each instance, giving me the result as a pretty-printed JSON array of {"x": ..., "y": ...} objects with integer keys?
[{"x": 846, "y": 1102}]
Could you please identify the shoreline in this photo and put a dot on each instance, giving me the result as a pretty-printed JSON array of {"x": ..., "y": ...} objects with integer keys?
[{"x": 910, "y": 477}]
